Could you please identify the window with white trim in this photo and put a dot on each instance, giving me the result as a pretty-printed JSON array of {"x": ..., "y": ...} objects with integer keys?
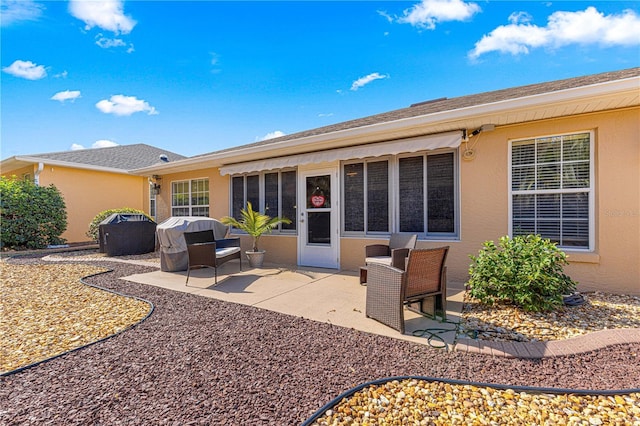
[
  {"x": 414, "y": 193},
  {"x": 551, "y": 189},
  {"x": 273, "y": 193},
  {"x": 152, "y": 201},
  {"x": 190, "y": 198}
]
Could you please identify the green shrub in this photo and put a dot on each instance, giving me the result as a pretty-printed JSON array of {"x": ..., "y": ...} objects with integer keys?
[
  {"x": 526, "y": 271},
  {"x": 94, "y": 226},
  {"x": 33, "y": 216}
]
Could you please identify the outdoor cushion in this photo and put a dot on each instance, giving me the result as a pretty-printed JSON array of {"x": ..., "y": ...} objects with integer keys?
[
  {"x": 222, "y": 252},
  {"x": 382, "y": 260}
]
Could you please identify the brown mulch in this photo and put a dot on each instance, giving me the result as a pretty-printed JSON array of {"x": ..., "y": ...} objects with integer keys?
[{"x": 197, "y": 360}]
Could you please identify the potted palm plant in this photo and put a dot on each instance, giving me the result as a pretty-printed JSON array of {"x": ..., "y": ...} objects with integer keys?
[{"x": 254, "y": 224}]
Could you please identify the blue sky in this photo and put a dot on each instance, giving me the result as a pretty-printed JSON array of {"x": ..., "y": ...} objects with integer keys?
[{"x": 196, "y": 77}]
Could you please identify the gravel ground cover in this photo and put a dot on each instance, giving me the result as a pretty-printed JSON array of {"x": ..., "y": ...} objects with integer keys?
[
  {"x": 202, "y": 361},
  {"x": 600, "y": 311}
]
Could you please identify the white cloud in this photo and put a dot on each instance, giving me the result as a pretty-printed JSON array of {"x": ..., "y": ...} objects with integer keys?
[
  {"x": 26, "y": 69},
  {"x": 67, "y": 95},
  {"x": 428, "y": 13},
  {"x": 12, "y": 11},
  {"x": 102, "y": 143},
  {"x": 125, "y": 105},
  {"x": 363, "y": 81},
  {"x": 63, "y": 74},
  {"x": 106, "y": 14},
  {"x": 271, "y": 135},
  {"x": 106, "y": 43},
  {"x": 563, "y": 28},
  {"x": 328, "y": 114}
]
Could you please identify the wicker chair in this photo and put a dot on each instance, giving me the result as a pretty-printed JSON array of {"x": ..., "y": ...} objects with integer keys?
[
  {"x": 394, "y": 253},
  {"x": 206, "y": 252},
  {"x": 423, "y": 286}
]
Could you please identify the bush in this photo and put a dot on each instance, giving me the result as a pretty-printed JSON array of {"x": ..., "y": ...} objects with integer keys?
[
  {"x": 94, "y": 226},
  {"x": 33, "y": 217},
  {"x": 526, "y": 271}
]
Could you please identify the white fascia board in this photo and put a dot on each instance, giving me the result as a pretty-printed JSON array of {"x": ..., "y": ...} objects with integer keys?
[{"x": 71, "y": 165}]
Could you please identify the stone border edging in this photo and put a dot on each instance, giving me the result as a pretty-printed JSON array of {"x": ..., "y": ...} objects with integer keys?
[{"x": 553, "y": 348}]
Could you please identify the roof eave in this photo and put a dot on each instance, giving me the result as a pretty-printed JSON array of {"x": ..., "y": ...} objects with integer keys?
[
  {"x": 21, "y": 161},
  {"x": 352, "y": 136}
]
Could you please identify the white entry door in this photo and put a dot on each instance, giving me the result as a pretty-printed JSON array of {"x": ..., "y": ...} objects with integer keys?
[{"x": 318, "y": 238}]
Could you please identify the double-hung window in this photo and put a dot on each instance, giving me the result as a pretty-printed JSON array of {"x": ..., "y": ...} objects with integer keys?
[
  {"x": 551, "y": 189},
  {"x": 414, "y": 193},
  {"x": 190, "y": 198},
  {"x": 273, "y": 193}
]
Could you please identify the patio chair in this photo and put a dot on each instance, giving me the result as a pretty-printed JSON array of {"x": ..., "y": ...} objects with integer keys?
[
  {"x": 206, "y": 252},
  {"x": 423, "y": 286},
  {"x": 394, "y": 253}
]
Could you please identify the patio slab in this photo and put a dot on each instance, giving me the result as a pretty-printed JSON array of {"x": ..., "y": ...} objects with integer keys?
[{"x": 324, "y": 295}]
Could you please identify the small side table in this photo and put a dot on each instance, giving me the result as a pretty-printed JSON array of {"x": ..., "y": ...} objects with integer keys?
[{"x": 363, "y": 275}]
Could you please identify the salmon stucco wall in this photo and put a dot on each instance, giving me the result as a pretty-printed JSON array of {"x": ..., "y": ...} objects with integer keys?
[
  {"x": 19, "y": 173},
  {"x": 87, "y": 193},
  {"x": 614, "y": 263}
]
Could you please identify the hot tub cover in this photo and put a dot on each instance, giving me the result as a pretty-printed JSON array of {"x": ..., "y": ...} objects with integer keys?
[{"x": 170, "y": 234}]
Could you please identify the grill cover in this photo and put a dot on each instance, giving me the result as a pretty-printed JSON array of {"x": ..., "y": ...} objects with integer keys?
[
  {"x": 170, "y": 233},
  {"x": 123, "y": 234}
]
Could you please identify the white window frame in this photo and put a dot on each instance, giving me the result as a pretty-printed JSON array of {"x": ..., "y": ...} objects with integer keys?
[
  {"x": 191, "y": 206},
  {"x": 394, "y": 201},
  {"x": 590, "y": 190},
  {"x": 390, "y": 186},
  {"x": 261, "y": 195},
  {"x": 153, "y": 204}
]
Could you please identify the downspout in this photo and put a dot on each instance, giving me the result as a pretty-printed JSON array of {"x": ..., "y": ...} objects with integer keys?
[{"x": 36, "y": 178}]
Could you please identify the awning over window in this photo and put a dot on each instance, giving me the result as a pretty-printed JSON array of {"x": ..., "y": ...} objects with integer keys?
[{"x": 423, "y": 143}]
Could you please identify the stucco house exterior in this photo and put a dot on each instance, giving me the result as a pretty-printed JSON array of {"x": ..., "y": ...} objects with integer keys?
[
  {"x": 560, "y": 159},
  {"x": 92, "y": 180}
]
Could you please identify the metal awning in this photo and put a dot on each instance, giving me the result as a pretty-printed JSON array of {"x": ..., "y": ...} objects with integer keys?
[{"x": 422, "y": 143}]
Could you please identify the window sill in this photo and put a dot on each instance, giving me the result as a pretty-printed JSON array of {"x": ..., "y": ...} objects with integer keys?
[{"x": 582, "y": 257}]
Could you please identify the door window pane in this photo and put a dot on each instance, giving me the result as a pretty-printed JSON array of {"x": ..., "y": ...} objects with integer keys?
[
  {"x": 319, "y": 228},
  {"x": 318, "y": 192}
]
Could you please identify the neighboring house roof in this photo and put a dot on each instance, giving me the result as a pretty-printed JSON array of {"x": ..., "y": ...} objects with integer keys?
[
  {"x": 599, "y": 92},
  {"x": 117, "y": 159}
]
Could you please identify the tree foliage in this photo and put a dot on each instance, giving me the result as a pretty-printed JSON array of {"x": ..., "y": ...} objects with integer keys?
[
  {"x": 33, "y": 216},
  {"x": 94, "y": 226},
  {"x": 525, "y": 270}
]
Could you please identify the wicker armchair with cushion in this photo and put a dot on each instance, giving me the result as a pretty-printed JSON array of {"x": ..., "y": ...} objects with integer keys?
[
  {"x": 206, "y": 252},
  {"x": 422, "y": 286},
  {"x": 394, "y": 253}
]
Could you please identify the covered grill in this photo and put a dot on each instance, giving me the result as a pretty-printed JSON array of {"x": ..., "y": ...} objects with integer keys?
[
  {"x": 127, "y": 233},
  {"x": 173, "y": 248}
]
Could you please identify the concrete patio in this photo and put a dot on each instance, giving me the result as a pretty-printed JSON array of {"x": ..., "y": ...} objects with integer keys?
[{"x": 324, "y": 295}]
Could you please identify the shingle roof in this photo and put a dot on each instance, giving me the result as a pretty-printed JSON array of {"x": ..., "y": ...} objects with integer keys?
[
  {"x": 123, "y": 157},
  {"x": 445, "y": 104}
]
